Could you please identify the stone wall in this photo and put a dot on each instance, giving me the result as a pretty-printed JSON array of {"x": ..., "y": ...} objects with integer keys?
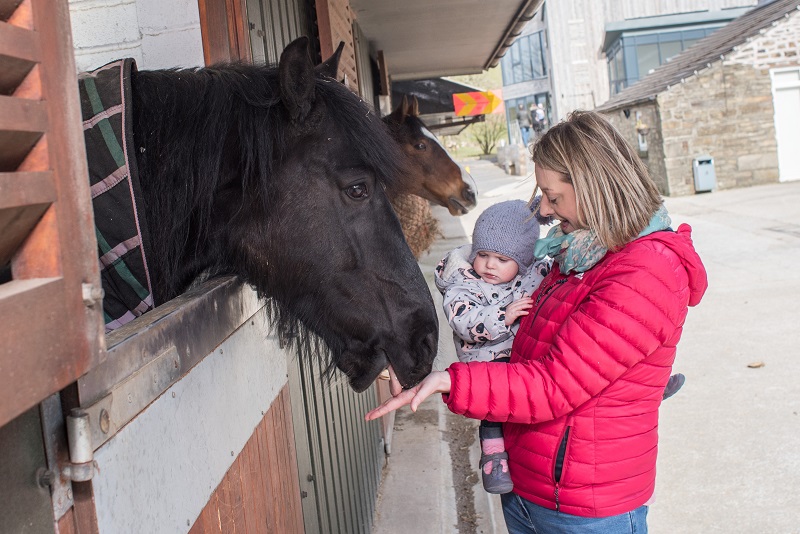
[
  {"x": 653, "y": 154},
  {"x": 726, "y": 111}
]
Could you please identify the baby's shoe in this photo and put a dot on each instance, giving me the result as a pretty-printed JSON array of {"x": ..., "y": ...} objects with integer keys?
[
  {"x": 674, "y": 383},
  {"x": 496, "y": 480}
]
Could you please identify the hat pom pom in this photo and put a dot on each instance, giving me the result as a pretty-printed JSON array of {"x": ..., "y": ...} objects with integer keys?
[{"x": 534, "y": 205}]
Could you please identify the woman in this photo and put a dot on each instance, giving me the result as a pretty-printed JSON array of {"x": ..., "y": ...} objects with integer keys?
[{"x": 579, "y": 398}]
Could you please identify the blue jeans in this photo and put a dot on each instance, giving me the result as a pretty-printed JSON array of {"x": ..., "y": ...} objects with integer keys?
[
  {"x": 526, "y": 134},
  {"x": 524, "y": 517}
]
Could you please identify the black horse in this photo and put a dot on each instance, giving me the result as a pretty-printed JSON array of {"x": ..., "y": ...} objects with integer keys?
[{"x": 278, "y": 176}]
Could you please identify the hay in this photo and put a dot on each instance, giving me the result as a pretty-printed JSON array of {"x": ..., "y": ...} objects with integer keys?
[{"x": 419, "y": 225}]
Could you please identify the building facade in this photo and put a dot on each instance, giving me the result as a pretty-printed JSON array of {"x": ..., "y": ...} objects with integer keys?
[
  {"x": 593, "y": 48},
  {"x": 732, "y": 102}
]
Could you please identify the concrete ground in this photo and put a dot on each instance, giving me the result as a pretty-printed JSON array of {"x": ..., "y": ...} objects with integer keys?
[{"x": 729, "y": 460}]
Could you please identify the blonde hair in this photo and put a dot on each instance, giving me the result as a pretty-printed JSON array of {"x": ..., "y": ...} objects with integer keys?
[{"x": 614, "y": 192}]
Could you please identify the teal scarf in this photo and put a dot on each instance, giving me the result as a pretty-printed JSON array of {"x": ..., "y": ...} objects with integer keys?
[{"x": 580, "y": 250}]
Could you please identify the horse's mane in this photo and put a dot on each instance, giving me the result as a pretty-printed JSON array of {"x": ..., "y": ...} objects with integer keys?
[{"x": 206, "y": 132}]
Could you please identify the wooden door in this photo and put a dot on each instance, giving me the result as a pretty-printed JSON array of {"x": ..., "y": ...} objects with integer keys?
[
  {"x": 786, "y": 98},
  {"x": 51, "y": 334},
  {"x": 51, "y": 325}
]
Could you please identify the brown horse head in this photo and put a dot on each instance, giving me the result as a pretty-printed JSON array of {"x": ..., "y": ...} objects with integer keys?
[{"x": 433, "y": 175}]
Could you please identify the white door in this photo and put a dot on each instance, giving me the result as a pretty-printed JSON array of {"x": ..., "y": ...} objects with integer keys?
[{"x": 786, "y": 98}]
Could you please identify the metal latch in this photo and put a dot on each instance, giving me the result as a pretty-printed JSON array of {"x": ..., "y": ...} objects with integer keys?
[{"x": 81, "y": 464}]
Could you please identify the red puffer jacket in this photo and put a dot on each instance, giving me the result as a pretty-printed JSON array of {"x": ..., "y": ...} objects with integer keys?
[{"x": 588, "y": 368}]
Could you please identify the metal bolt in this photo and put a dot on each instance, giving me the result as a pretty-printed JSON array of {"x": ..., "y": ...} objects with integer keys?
[
  {"x": 69, "y": 493},
  {"x": 45, "y": 477},
  {"x": 105, "y": 421},
  {"x": 303, "y": 494},
  {"x": 310, "y": 477},
  {"x": 231, "y": 453},
  {"x": 173, "y": 394}
]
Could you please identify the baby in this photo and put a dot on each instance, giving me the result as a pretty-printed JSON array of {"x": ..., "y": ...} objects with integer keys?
[{"x": 486, "y": 288}]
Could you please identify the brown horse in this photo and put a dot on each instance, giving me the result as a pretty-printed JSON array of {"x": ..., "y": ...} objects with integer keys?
[{"x": 433, "y": 175}]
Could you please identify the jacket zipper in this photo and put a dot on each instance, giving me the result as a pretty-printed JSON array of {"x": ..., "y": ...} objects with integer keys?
[
  {"x": 562, "y": 448},
  {"x": 547, "y": 293},
  {"x": 558, "y": 468}
]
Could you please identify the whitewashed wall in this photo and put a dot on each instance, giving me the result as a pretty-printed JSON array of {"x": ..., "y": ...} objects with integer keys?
[{"x": 156, "y": 33}]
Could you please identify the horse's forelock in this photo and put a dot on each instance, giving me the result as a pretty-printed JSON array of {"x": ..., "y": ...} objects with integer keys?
[{"x": 365, "y": 132}]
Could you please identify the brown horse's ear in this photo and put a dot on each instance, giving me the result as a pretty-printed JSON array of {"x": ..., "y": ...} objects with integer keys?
[
  {"x": 297, "y": 79},
  {"x": 398, "y": 116},
  {"x": 413, "y": 108},
  {"x": 330, "y": 67},
  {"x": 406, "y": 108}
]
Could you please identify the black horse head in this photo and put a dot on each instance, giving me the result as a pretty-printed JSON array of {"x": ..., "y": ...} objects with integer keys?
[{"x": 277, "y": 175}]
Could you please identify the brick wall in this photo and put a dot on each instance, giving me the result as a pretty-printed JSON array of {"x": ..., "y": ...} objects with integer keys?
[{"x": 156, "y": 33}]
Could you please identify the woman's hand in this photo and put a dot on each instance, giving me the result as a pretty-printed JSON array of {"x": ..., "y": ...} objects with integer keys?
[{"x": 436, "y": 382}]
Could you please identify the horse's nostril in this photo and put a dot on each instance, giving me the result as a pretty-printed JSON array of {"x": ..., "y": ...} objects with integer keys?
[{"x": 469, "y": 195}]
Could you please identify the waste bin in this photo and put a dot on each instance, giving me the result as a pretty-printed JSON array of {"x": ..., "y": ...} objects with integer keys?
[{"x": 705, "y": 177}]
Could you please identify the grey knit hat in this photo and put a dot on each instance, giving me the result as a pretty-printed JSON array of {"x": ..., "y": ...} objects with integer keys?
[{"x": 507, "y": 228}]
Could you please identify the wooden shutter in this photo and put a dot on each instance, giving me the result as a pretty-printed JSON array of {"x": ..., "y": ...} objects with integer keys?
[
  {"x": 48, "y": 253},
  {"x": 223, "y": 26}
]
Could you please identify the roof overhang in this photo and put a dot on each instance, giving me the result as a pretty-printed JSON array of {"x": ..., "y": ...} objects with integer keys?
[{"x": 432, "y": 38}]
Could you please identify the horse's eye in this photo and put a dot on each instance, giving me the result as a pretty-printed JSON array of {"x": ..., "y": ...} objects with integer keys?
[
  {"x": 421, "y": 146},
  {"x": 357, "y": 191}
]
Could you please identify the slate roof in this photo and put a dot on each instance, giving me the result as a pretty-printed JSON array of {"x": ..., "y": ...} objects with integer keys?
[{"x": 703, "y": 53}]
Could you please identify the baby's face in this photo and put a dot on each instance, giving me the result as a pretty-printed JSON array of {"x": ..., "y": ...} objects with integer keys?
[{"x": 494, "y": 268}]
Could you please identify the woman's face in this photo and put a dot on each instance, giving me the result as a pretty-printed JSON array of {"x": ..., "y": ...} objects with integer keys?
[{"x": 558, "y": 198}]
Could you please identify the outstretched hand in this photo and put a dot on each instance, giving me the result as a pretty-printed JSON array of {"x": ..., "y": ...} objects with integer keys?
[{"x": 436, "y": 382}]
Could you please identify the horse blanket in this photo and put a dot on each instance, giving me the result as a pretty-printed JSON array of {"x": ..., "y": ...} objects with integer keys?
[{"x": 120, "y": 226}]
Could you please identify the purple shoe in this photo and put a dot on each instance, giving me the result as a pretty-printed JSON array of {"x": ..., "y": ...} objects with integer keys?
[
  {"x": 496, "y": 481},
  {"x": 674, "y": 383}
]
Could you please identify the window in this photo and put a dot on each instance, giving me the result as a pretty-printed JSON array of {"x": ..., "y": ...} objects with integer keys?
[
  {"x": 632, "y": 56},
  {"x": 524, "y": 60},
  {"x": 646, "y": 58},
  {"x": 529, "y": 102}
]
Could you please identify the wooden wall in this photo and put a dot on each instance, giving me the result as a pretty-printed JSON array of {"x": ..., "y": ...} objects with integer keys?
[
  {"x": 335, "y": 20},
  {"x": 260, "y": 492}
]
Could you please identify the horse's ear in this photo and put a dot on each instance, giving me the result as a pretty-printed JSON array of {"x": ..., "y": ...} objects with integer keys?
[
  {"x": 403, "y": 109},
  {"x": 330, "y": 67},
  {"x": 297, "y": 78},
  {"x": 413, "y": 108},
  {"x": 398, "y": 114}
]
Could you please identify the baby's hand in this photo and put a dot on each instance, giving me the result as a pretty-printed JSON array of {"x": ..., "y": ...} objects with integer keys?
[{"x": 517, "y": 309}]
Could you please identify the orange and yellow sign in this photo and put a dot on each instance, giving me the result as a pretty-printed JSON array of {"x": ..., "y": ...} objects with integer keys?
[{"x": 477, "y": 103}]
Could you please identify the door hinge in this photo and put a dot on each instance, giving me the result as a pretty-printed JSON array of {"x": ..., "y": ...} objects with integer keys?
[{"x": 81, "y": 464}]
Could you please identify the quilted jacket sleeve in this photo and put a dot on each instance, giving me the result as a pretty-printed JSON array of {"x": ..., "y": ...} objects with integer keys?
[{"x": 633, "y": 308}]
